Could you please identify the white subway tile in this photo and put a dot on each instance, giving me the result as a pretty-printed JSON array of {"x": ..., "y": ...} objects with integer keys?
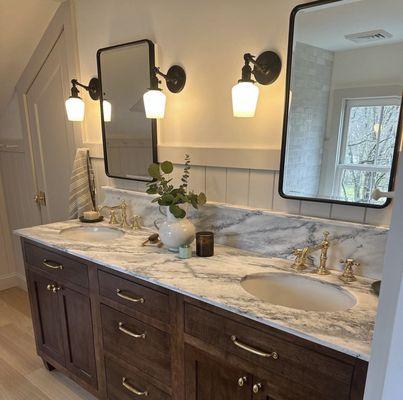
[
  {"x": 379, "y": 217},
  {"x": 348, "y": 213},
  {"x": 314, "y": 209}
]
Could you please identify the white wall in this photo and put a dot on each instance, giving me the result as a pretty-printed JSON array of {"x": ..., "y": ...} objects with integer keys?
[
  {"x": 208, "y": 38},
  {"x": 368, "y": 67},
  {"x": 10, "y": 123},
  {"x": 7, "y": 264}
]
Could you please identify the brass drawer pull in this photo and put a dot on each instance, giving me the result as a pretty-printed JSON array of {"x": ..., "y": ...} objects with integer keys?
[
  {"x": 129, "y": 298},
  {"x": 130, "y": 333},
  {"x": 252, "y": 350},
  {"x": 132, "y": 389},
  {"x": 51, "y": 264}
]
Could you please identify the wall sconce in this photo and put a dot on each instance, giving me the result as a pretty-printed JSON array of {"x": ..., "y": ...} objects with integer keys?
[
  {"x": 154, "y": 98},
  {"x": 245, "y": 94},
  {"x": 75, "y": 106}
]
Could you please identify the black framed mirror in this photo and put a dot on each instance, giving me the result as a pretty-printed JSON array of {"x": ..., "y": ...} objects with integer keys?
[
  {"x": 342, "y": 119},
  {"x": 129, "y": 139}
]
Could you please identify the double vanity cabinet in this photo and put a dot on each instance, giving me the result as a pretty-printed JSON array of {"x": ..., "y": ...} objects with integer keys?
[{"x": 122, "y": 338}]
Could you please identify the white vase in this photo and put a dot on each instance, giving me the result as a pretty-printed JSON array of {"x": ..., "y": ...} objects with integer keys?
[{"x": 175, "y": 232}]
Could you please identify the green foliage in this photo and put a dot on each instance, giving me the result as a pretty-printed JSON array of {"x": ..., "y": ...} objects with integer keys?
[{"x": 167, "y": 194}]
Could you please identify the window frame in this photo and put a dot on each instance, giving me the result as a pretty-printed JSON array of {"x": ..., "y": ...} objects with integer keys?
[{"x": 345, "y": 112}]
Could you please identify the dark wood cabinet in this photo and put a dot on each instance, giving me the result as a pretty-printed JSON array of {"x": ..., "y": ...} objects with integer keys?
[
  {"x": 121, "y": 337},
  {"x": 61, "y": 312},
  {"x": 211, "y": 379},
  {"x": 78, "y": 334},
  {"x": 47, "y": 318}
]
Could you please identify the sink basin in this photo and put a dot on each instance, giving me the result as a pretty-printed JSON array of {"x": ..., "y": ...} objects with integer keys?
[
  {"x": 91, "y": 233},
  {"x": 298, "y": 292}
]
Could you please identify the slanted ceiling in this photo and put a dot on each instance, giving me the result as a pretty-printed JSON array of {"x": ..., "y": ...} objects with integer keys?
[{"x": 22, "y": 24}]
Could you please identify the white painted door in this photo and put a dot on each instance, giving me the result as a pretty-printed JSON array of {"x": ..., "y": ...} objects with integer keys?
[{"x": 52, "y": 135}]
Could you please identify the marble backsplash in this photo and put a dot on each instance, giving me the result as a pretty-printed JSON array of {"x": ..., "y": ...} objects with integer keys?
[{"x": 270, "y": 233}]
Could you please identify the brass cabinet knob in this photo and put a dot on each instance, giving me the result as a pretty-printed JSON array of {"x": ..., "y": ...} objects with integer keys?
[
  {"x": 53, "y": 288},
  {"x": 242, "y": 381},
  {"x": 256, "y": 388}
]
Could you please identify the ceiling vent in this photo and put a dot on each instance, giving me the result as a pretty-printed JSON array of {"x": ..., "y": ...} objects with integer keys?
[{"x": 368, "y": 37}]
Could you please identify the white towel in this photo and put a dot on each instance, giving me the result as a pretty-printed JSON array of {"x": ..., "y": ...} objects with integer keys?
[{"x": 82, "y": 185}]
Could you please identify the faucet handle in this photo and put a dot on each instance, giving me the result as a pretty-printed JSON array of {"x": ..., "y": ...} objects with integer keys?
[
  {"x": 135, "y": 222},
  {"x": 348, "y": 273},
  {"x": 112, "y": 220}
]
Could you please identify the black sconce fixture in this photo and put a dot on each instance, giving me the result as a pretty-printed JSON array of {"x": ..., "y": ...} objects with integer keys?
[
  {"x": 154, "y": 98},
  {"x": 266, "y": 69},
  {"x": 75, "y": 106}
]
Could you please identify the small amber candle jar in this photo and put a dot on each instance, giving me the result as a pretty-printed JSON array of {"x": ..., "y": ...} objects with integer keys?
[{"x": 205, "y": 244}]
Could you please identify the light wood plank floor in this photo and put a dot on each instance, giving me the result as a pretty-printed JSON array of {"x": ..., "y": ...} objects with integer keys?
[{"x": 22, "y": 374}]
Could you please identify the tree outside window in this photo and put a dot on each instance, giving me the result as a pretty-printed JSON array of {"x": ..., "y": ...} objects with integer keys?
[{"x": 366, "y": 148}]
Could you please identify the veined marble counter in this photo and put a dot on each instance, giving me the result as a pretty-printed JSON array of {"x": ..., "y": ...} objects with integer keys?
[{"x": 216, "y": 280}]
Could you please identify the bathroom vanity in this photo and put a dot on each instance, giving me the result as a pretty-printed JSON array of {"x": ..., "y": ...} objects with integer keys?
[{"x": 127, "y": 322}]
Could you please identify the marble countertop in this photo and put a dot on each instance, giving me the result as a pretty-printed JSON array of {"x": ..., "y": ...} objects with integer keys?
[{"x": 216, "y": 280}]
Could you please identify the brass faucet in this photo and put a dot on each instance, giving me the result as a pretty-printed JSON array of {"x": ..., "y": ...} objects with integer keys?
[
  {"x": 348, "y": 274},
  {"x": 134, "y": 222},
  {"x": 301, "y": 257},
  {"x": 300, "y": 262},
  {"x": 324, "y": 246}
]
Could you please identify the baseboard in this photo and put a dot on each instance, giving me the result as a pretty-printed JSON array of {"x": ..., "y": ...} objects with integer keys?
[
  {"x": 21, "y": 281},
  {"x": 8, "y": 281}
]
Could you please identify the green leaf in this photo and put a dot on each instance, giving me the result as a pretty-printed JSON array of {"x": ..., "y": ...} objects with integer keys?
[
  {"x": 177, "y": 211},
  {"x": 152, "y": 190},
  {"x": 166, "y": 199},
  {"x": 154, "y": 171},
  {"x": 167, "y": 167},
  {"x": 201, "y": 199}
]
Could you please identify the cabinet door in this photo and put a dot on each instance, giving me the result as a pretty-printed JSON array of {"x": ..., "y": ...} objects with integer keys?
[
  {"x": 209, "y": 379},
  {"x": 78, "y": 334},
  {"x": 46, "y": 317},
  {"x": 278, "y": 388}
]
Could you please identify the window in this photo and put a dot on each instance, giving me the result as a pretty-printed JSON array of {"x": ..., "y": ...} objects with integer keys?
[{"x": 366, "y": 146}]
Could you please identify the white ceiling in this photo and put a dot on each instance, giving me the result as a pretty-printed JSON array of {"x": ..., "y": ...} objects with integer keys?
[
  {"x": 22, "y": 24},
  {"x": 326, "y": 26}
]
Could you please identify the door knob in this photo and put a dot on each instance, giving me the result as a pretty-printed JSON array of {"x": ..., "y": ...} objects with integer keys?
[
  {"x": 242, "y": 381},
  {"x": 40, "y": 198},
  {"x": 256, "y": 387}
]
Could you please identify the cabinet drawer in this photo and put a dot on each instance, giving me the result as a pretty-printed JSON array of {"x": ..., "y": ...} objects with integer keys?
[
  {"x": 137, "y": 343},
  {"x": 319, "y": 372},
  {"x": 127, "y": 385},
  {"x": 141, "y": 298},
  {"x": 58, "y": 266}
]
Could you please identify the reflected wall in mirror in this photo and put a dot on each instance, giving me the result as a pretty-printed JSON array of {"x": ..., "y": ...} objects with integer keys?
[
  {"x": 129, "y": 138},
  {"x": 341, "y": 134}
]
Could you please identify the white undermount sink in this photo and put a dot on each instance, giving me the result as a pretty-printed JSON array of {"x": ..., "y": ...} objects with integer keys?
[
  {"x": 298, "y": 292},
  {"x": 91, "y": 233}
]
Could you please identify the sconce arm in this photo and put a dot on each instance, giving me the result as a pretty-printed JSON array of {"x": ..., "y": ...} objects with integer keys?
[{"x": 93, "y": 88}]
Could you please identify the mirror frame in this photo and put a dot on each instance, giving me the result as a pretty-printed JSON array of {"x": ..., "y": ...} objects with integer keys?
[
  {"x": 285, "y": 123},
  {"x": 153, "y": 122}
]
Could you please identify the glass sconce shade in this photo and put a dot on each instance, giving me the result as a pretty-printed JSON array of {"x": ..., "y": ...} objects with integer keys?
[
  {"x": 244, "y": 99},
  {"x": 107, "y": 109},
  {"x": 154, "y": 103},
  {"x": 75, "y": 108}
]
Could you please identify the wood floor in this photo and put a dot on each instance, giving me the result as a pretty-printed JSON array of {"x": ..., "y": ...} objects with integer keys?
[{"x": 22, "y": 375}]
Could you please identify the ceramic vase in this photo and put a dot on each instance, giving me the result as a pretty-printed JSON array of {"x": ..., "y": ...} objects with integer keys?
[{"x": 175, "y": 232}]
